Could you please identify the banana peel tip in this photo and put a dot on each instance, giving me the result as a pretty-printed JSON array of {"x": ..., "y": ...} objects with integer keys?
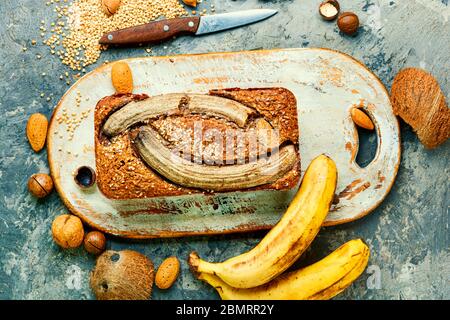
[{"x": 194, "y": 261}]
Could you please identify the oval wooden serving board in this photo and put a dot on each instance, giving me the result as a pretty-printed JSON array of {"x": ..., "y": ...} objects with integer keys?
[{"x": 327, "y": 84}]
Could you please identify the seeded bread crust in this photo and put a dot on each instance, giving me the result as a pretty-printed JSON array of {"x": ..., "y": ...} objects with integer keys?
[
  {"x": 417, "y": 98},
  {"x": 121, "y": 174}
]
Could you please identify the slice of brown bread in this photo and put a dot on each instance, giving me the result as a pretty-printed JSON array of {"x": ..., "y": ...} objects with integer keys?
[{"x": 417, "y": 98}]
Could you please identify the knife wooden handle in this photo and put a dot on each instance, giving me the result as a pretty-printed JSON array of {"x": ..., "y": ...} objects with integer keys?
[{"x": 152, "y": 32}]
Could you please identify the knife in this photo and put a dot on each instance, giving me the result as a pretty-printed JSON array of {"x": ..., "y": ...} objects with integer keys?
[{"x": 166, "y": 29}]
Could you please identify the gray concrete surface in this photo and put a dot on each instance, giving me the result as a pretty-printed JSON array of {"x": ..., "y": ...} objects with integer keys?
[{"x": 408, "y": 233}]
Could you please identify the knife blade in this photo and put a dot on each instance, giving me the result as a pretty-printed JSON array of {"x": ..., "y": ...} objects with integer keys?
[{"x": 166, "y": 29}]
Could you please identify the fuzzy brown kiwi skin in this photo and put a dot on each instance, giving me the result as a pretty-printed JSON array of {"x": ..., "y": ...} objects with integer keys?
[{"x": 122, "y": 275}]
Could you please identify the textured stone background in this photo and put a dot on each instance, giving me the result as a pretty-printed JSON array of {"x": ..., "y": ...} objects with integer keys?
[{"x": 408, "y": 233}]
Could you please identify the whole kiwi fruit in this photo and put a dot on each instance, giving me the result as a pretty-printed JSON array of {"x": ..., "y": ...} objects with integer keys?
[{"x": 122, "y": 275}]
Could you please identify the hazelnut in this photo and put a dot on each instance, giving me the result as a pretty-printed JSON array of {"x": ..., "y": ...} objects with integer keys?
[
  {"x": 67, "y": 231},
  {"x": 110, "y": 7},
  {"x": 348, "y": 23},
  {"x": 329, "y": 9},
  {"x": 40, "y": 185},
  {"x": 122, "y": 275},
  {"x": 95, "y": 242}
]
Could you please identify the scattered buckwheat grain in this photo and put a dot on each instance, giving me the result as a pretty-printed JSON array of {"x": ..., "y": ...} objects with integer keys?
[{"x": 80, "y": 24}]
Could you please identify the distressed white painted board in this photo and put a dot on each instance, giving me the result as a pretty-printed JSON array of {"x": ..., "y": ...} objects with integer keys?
[{"x": 326, "y": 84}]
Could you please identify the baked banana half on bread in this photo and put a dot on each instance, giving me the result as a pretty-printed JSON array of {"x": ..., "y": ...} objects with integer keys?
[{"x": 184, "y": 143}]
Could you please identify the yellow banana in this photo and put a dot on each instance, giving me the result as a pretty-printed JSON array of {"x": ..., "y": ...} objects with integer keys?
[
  {"x": 322, "y": 280},
  {"x": 287, "y": 240}
]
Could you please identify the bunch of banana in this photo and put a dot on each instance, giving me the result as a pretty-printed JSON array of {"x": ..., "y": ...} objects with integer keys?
[
  {"x": 250, "y": 275},
  {"x": 322, "y": 280},
  {"x": 287, "y": 240}
]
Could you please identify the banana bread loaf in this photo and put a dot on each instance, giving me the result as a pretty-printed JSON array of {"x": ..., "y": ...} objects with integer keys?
[{"x": 176, "y": 144}]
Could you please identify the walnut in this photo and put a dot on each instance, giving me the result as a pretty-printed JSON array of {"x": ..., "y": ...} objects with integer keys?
[{"x": 67, "y": 231}]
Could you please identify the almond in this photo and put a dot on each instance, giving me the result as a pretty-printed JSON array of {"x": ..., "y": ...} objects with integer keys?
[
  {"x": 122, "y": 78},
  {"x": 192, "y": 3},
  {"x": 167, "y": 273},
  {"x": 110, "y": 7},
  {"x": 37, "y": 131},
  {"x": 361, "y": 119},
  {"x": 418, "y": 99}
]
